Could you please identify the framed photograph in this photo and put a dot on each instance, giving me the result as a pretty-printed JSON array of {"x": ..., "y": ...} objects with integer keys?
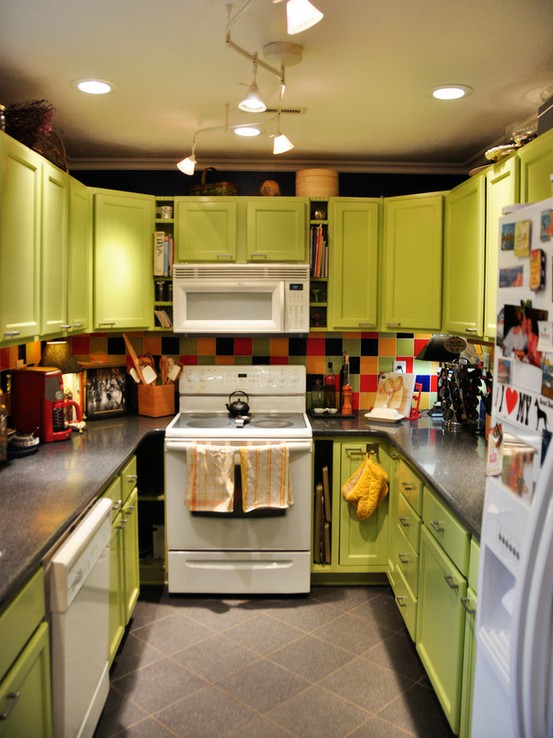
[{"x": 105, "y": 391}]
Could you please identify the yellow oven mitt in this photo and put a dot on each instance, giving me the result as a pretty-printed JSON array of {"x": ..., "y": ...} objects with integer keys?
[{"x": 366, "y": 488}]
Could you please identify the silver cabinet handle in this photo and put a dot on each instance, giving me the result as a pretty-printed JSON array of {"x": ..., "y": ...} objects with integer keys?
[
  {"x": 404, "y": 558},
  {"x": 366, "y": 324},
  {"x": 437, "y": 526},
  {"x": 129, "y": 509},
  {"x": 116, "y": 505},
  {"x": 405, "y": 522},
  {"x": 132, "y": 477},
  {"x": 259, "y": 255},
  {"x": 408, "y": 485},
  {"x": 14, "y": 697},
  {"x": 451, "y": 582},
  {"x": 224, "y": 256},
  {"x": 471, "y": 330},
  {"x": 10, "y": 334},
  {"x": 467, "y": 604},
  {"x": 66, "y": 326},
  {"x": 78, "y": 325},
  {"x": 400, "y": 601},
  {"x": 393, "y": 325},
  {"x": 107, "y": 324}
]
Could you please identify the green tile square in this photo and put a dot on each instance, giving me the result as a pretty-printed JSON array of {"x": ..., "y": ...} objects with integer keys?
[
  {"x": 405, "y": 346},
  {"x": 385, "y": 364},
  {"x": 261, "y": 346},
  {"x": 188, "y": 346}
]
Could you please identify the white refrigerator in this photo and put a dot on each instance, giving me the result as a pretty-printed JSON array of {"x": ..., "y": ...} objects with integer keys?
[{"x": 513, "y": 686}]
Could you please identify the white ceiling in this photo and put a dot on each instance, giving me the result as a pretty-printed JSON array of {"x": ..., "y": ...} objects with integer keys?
[{"x": 364, "y": 79}]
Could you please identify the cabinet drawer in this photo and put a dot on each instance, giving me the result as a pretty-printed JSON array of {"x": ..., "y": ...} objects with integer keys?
[
  {"x": 128, "y": 478},
  {"x": 20, "y": 619},
  {"x": 447, "y": 530},
  {"x": 406, "y": 602},
  {"x": 410, "y": 485},
  {"x": 409, "y": 522},
  {"x": 406, "y": 560},
  {"x": 114, "y": 493}
]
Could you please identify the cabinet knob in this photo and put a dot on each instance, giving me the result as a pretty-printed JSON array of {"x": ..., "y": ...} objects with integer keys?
[
  {"x": 405, "y": 522},
  {"x": 400, "y": 601},
  {"x": 404, "y": 558},
  {"x": 14, "y": 697},
  {"x": 437, "y": 526},
  {"x": 468, "y": 605},
  {"x": 451, "y": 582}
]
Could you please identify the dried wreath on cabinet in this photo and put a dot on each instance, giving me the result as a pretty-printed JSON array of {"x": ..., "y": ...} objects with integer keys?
[{"x": 32, "y": 123}]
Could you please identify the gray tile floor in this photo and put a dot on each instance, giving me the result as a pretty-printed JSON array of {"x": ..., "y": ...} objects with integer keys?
[{"x": 334, "y": 664}]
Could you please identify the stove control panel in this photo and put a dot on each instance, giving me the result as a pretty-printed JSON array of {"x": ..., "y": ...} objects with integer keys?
[{"x": 254, "y": 380}]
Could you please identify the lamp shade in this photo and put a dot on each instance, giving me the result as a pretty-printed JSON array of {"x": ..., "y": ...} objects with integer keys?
[
  {"x": 58, "y": 354},
  {"x": 281, "y": 144},
  {"x": 442, "y": 348},
  {"x": 187, "y": 165},
  {"x": 301, "y": 15},
  {"x": 253, "y": 103}
]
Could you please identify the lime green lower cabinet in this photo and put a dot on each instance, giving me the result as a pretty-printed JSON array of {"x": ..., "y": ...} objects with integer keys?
[
  {"x": 25, "y": 679},
  {"x": 469, "y": 654},
  {"x": 440, "y": 629},
  {"x": 124, "y": 562},
  {"x": 363, "y": 544}
]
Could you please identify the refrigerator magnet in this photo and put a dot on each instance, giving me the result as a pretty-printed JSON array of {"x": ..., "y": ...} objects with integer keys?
[
  {"x": 537, "y": 270},
  {"x": 523, "y": 229},
  {"x": 546, "y": 223}
]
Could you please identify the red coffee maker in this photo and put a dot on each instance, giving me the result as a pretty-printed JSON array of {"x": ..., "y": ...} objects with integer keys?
[{"x": 38, "y": 403}]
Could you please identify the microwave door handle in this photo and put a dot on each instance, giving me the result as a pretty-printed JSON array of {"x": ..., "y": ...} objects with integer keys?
[{"x": 282, "y": 316}]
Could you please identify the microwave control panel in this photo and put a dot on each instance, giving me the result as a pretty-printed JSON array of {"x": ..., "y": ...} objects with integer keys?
[{"x": 297, "y": 306}]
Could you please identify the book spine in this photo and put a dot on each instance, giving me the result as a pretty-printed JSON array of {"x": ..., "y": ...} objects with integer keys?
[{"x": 159, "y": 265}]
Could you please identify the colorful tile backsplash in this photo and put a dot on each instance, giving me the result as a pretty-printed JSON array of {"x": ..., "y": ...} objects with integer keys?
[{"x": 370, "y": 355}]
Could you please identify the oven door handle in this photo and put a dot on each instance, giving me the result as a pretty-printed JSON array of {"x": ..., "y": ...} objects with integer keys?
[{"x": 291, "y": 445}]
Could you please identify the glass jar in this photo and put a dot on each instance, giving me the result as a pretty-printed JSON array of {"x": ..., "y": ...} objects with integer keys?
[{"x": 2, "y": 117}]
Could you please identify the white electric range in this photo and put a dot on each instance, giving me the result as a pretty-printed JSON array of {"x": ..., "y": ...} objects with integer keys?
[{"x": 264, "y": 551}]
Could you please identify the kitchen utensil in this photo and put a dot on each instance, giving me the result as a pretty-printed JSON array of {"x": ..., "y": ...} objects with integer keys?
[
  {"x": 134, "y": 358},
  {"x": 238, "y": 407}
]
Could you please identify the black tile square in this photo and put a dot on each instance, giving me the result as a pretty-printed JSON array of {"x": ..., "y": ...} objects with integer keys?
[
  {"x": 260, "y": 359},
  {"x": 369, "y": 347},
  {"x": 333, "y": 346},
  {"x": 170, "y": 345},
  {"x": 297, "y": 347},
  {"x": 116, "y": 345},
  {"x": 405, "y": 335},
  {"x": 224, "y": 346},
  {"x": 355, "y": 365}
]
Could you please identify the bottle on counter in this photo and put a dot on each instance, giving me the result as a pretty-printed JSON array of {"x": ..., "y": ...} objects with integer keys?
[
  {"x": 345, "y": 407},
  {"x": 3, "y": 429},
  {"x": 330, "y": 387},
  {"x": 345, "y": 361}
]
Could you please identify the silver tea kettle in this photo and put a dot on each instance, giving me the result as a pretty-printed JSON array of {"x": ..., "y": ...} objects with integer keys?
[{"x": 238, "y": 407}]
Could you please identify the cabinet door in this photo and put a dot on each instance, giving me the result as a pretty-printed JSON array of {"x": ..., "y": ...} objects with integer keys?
[
  {"x": 412, "y": 263},
  {"x": 502, "y": 188},
  {"x": 79, "y": 265},
  {"x": 441, "y": 625},
  {"x": 55, "y": 208},
  {"x": 20, "y": 208},
  {"x": 363, "y": 543},
  {"x": 354, "y": 262},
  {"x": 25, "y": 692},
  {"x": 206, "y": 229},
  {"x": 469, "y": 663},
  {"x": 123, "y": 255},
  {"x": 277, "y": 229},
  {"x": 117, "y": 620},
  {"x": 536, "y": 167},
  {"x": 130, "y": 554},
  {"x": 463, "y": 305}
]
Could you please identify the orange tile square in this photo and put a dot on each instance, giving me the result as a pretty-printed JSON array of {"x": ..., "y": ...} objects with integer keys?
[
  {"x": 387, "y": 347},
  {"x": 315, "y": 364},
  {"x": 206, "y": 346},
  {"x": 152, "y": 344},
  {"x": 224, "y": 360},
  {"x": 279, "y": 347},
  {"x": 368, "y": 365}
]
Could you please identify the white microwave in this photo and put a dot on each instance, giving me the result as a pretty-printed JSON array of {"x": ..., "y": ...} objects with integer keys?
[{"x": 240, "y": 298}]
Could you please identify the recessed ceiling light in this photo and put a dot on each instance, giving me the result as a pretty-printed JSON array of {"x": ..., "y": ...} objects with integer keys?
[
  {"x": 451, "y": 92},
  {"x": 247, "y": 131},
  {"x": 93, "y": 86}
]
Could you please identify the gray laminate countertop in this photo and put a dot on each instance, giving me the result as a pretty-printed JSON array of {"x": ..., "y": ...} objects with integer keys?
[
  {"x": 43, "y": 495},
  {"x": 453, "y": 463}
]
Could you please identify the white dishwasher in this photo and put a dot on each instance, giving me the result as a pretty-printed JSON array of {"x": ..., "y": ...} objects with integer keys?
[{"x": 78, "y": 579}]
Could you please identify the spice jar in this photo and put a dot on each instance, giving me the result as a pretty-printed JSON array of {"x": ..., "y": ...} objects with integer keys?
[{"x": 2, "y": 117}]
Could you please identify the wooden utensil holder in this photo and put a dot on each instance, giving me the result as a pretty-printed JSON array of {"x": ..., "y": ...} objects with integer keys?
[{"x": 156, "y": 400}]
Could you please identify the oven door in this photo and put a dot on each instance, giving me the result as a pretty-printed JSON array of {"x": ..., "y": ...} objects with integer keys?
[{"x": 243, "y": 554}]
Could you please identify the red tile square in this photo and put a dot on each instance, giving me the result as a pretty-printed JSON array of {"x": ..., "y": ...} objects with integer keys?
[
  {"x": 243, "y": 346},
  {"x": 188, "y": 360},
  {"x": 368, "y": 382},
  {"x": 315, "y": 346},
  {"x": 279, "y": 360}
]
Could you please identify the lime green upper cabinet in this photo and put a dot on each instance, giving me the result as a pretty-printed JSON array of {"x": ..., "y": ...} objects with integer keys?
[
  {"x": 412, "y": 263},
  {"x": 79, "y": 265},
  {"x": 463, "y": 300},
  {"x": 536, "y": 168},
  {"x": 354, "y": 263},
  {"x": 277, "y": 228},
  {"x": 123, "y": 248},
  {"x": 20, "y": 211},
  {"x": 55, "y": 208},
  {"x": 502, "y": 188},
  {"x": 206, "y": 228}
]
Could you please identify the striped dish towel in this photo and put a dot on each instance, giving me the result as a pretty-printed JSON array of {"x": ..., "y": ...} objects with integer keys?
[
  {"x": 265, "y": 474},
  {"x": 210, "y": 478}
]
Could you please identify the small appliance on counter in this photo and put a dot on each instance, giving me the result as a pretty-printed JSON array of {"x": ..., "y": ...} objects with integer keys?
[{"x": 38, "y": 404}]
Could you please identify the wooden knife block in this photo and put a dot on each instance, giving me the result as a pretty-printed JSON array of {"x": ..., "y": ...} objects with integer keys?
[{"x": 156, "y": 400}]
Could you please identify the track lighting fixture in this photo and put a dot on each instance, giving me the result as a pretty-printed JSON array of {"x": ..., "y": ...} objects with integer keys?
[
  {"x": 253, "y": 103},
  {"x": 281, "y": 143},
  {"x": 300, "y": 15}
]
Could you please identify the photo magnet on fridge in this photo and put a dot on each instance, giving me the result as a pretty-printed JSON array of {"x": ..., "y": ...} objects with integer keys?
[
  {"x": 523, "y": 231},
  {"x": 508, "y": 237},
  {"x": 546, "y": 225},
  {"x": 537, "y": 270}
]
